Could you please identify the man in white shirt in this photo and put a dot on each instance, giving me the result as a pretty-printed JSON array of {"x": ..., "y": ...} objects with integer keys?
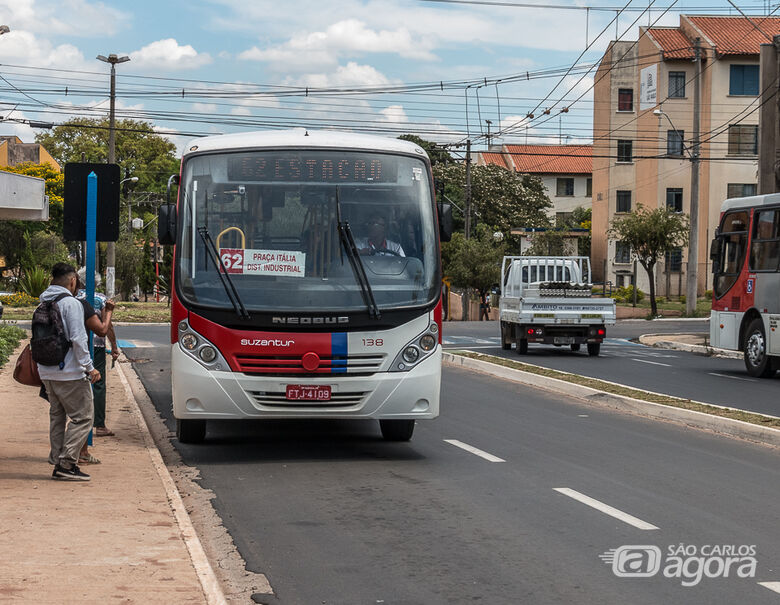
[{"x": 376, "y": 242}]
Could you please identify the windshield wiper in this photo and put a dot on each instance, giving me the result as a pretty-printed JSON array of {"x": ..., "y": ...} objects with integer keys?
[
  {"x": 345, "y": 234},
  {"x": 224, "y": 276}
]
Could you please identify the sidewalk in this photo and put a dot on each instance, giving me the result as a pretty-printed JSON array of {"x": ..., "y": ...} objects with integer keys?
[{"x": 113, "y": 539}]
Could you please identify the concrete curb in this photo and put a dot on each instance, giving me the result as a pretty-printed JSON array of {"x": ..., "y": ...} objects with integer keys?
[
  {"x": 692, "y": 418},
  {"x": 691, "y": 348},
  {"x": 208, "y": 579}
]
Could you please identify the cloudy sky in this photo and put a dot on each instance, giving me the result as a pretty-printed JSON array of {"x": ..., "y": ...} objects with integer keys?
[{"x": 438, "y": 69}]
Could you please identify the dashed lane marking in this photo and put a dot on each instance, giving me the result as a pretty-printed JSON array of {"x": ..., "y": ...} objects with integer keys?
[
  {"x": 655, "y": 363},
  {"x": 474, "y": 450},
  {"x": 605, "y": 508},
  {"x": 732, "y": 377}
]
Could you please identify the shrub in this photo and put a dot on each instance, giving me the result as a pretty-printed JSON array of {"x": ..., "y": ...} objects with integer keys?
[
  {"x": 19, "y": 299},
  {"x": 34, "y": 281},
  {"x": 10, "y": 337},
  {"x": 708, "y": 294},
  {"x": 626, "y": 294}
]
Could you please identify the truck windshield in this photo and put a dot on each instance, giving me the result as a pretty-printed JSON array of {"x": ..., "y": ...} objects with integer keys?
[{"x": 273, "y": 216}]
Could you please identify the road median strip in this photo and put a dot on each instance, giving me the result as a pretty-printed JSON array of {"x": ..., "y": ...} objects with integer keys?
[{"x": 727, "y": 420}]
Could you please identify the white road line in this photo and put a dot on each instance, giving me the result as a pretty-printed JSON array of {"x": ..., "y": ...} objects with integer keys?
[
  {"x": 605, "y": 508},
  {"x": 732, "y": 377},
  {"x": 475, "y": 451},
  {"x": 655, "y": 363},
  {"x": 465, "y": 347},
  {"x": 773, "y": 586}
]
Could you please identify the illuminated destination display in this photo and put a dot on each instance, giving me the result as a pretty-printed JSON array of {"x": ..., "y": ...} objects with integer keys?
[{"x": 310, "y": 168}]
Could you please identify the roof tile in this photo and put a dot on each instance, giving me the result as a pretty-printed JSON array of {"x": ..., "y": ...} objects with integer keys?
[
  {"x": 737, "y": 35},
  {"x": 552, "y": 159},
  {"x": 672, "y": 41}
]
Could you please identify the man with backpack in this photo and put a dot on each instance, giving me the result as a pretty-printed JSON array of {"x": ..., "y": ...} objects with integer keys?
[{"x": 60, "y": 347}]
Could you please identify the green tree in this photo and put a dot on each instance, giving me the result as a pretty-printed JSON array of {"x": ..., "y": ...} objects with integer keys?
[
  {"x": 475, "y": 262},
  {"x": 146, "y": 277},
  {"x": 438, "y": 154},
  {"x": 651, "y": 234},
  {"x": 139, "y": 150},
  {"x": 499, "y": 197},
  {"x": 129, "y": 261}
]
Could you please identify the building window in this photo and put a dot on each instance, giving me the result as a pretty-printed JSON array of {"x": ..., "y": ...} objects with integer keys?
[
  {"x": 676, "y": 84},
  {"x": 743, "y": 139},
  {"x": 674, "y": 199},
  {"x": 622, "y": 253},
  {"x": 564, "y": 186},
  {"x": 674, "y": 260},
  {"x": 624, "y": 151},
  {"x": 741, "y": 190},
  {"x": 589, "y": 187},
  {"x": 625, "y": 99},
  {"x": 743, "y": 80},
  {"x": 674, "y": 142},
  {"x": 623, "y": 201},
  {"x": 765, "y": 243}
]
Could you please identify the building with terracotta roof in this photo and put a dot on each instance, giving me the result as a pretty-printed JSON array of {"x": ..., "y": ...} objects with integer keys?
[
  {"x": 565, "y": 171},
  {"x": 642, "y": 158},
  {"x": 13, "y": 151}
]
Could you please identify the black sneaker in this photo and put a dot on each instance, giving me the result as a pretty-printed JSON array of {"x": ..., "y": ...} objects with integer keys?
[{"x": 70, "y": 474}]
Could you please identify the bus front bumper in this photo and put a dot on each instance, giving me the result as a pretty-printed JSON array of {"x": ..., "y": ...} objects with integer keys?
[{"x": 199, "y": 393}]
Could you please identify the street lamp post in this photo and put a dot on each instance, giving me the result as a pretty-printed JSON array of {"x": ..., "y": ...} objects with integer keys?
[
  {"x": 132, "y": 179},
  {"x": 111, "y": 248}
]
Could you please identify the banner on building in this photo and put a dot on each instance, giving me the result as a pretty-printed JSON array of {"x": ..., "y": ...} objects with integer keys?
[{"x": 648, "y": 89}]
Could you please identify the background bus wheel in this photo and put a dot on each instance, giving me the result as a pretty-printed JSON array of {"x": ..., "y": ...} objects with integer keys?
[
  {"x": 190, "y": 431},
  {"x": 575, "y": 347},
  {"x": 757, "y": 361},
  {"x": 506, "y": 338},
  {"x": 594, "y": 348},
  {"x": 397, "y": 430},
  {"x": 522, "y": 346}
]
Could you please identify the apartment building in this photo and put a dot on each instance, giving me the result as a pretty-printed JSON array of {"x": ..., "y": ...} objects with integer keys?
[
  {"x": 641, "y": 154},
  {"x": 565, "y": 171},
  {"x": 13, "y": 151}
]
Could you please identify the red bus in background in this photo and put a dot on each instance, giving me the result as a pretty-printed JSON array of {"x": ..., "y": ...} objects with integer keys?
[
  {"x": 746, "y": 287},
  {"x": 306, "y": 281}
]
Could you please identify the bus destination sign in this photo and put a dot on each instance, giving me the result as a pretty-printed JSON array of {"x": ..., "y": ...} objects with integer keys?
[{"x": 320, "y": 168}]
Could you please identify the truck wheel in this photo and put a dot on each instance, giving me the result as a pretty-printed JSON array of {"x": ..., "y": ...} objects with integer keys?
[
  {"x": 575, "y": 347},
  {"x": 190, "y": 431},
  {"x": 506, "y": 337},
  {"x": 522, "y": 346},
  {"x": 594, "y": 348},
  {"x": 396, "y": 430},
  {"x": 757, "y": 362}
]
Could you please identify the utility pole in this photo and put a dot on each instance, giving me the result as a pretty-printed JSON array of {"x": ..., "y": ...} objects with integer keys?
[
  {"x": 768, "y": 146},
  {"x": 692, "y": 283},
  {"x": 111, "y": 248},
  {"x": 468, "y": 189}
]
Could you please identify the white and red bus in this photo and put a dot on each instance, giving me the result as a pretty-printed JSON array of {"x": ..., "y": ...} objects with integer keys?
[
  {"x": 306, "y": 281},
  {"x": 746, "y": 287}
]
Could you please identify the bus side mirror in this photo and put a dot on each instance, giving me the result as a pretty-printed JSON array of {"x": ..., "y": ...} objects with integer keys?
[
  {"x": 166, "y": 224},
  {"x": 445, "y": 222},
  {"x": 715, "y": 249},
  {"x": 172, "y": 180}
]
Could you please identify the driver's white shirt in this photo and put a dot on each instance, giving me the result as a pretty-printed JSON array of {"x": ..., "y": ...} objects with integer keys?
[{"x": 363, "y": 242}]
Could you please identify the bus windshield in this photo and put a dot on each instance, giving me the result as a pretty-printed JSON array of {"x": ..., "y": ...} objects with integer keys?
[
  {"x": 273, "y": 217},
  {"x": 733, "y": 235}
]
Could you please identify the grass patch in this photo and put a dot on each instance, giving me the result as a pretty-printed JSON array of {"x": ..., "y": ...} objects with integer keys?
[
  {"x": 138, "y": 312},
  {"x": 703, "y": 306},
  {"x": 608, "y": 387},
  {"x": 10, "y": 337}
]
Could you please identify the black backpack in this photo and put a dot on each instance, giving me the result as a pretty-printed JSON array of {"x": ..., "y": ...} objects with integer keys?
[{"x": 49, "y": 344}]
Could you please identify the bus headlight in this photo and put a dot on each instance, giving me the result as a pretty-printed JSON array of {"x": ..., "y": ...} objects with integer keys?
[
  {"x": 411, "y": 354},
  {"x": 189, "y": 341},
  {"x": 207, "y": 354},
  {"x": 427, "y": 342},
  {"x": 183, "y": 325}
]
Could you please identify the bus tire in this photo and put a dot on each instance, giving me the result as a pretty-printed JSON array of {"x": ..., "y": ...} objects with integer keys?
[
  {"x": 506, "y": 336},
  {"x": 594, "y": 348},
  {"x": 190, "y": 431},
  {"x": 575, "y": 347},
  {"x": 396, "y": 430},
  {"x": 522, "y": 346},
  {"x": 757, "y": 362}
]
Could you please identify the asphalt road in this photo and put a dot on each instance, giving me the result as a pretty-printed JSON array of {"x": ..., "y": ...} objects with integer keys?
[{"x": 332, "y": 514}]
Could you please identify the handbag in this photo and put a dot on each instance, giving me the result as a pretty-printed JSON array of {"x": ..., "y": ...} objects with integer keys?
[{"x": 26, "y": 370}]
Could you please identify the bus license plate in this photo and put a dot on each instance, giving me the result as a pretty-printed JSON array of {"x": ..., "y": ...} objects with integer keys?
[
  {"x": 308, "y": 392},
  {"x": 563, "y": 340}
]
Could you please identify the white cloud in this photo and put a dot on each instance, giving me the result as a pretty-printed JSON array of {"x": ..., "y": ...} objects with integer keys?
[
  {"x": 73, "y": 18},
  {"x": 395, "y": 114},
  {"x": 25, "y": 48},
  {"x": 169, "y": 54},
  {"x": 351, "y": 74},
  {"x": 241, "y": 111},
  {"x": 204, "y": 107}
]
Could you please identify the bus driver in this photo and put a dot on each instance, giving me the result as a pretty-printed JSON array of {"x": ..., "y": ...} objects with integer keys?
[{"x": 376, "y": 242}]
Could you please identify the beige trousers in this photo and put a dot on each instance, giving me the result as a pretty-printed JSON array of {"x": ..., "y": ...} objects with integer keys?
[{"x": 68, "y": 400}]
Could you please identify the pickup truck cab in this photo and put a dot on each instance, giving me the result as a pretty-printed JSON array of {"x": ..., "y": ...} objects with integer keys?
[{"x": 547, "y": 300}]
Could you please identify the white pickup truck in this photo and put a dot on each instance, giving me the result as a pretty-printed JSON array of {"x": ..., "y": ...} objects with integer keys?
[{"x": 547, "y": 299}]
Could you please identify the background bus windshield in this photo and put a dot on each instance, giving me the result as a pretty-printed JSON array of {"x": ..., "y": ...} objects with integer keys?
[{"x": 273, "y": 218}]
